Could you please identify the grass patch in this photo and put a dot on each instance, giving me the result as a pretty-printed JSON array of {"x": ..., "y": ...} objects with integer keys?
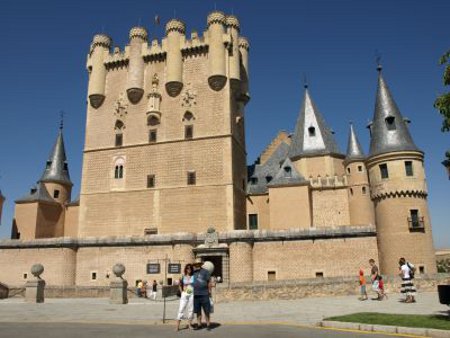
[{"x": 440, "y": 322}]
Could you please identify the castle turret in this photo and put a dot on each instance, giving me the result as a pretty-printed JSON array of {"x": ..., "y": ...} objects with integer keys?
[
  {"x": 234, "y": 58},
  {"x": 360, "y": 204},
  {"x": 217, "y": 69},
  {"x": 314, "y": 150},
  {"x": 175, "y": 30},
  {"x": 398, "y": 188},
  {"x": 56, "y": 177},
  {"x": 99, "y": 50},
  {"x": 135, "y": 79},
  {"x": 244, "y": 47}
]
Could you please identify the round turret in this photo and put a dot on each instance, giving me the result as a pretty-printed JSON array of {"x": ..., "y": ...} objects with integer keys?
[
  {"x": 175, "y": 30},
  {"x": 244, "y": 47},
  {"x": 138, "y": 33},
  {"x": 135, "y": 79},
  {"x": 96, "y": 91},
  {"x": 217, "y": 68},
  {"x": 175, "y": 25},
  {"x": 102, "y": 40},
  {"x": 216, "y": 17},
  {"x": 232, "y": 21}
]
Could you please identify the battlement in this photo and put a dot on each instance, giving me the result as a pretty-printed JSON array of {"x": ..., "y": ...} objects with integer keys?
[
  {"x": 227, "y": 60},
  {"x": 328, "y": 182}
]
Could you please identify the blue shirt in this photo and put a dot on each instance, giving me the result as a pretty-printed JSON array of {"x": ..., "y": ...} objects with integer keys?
[{"x": 201, "y": 279}]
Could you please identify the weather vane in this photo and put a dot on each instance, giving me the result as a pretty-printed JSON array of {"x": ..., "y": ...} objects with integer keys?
[{"x": 61, "y": 119}]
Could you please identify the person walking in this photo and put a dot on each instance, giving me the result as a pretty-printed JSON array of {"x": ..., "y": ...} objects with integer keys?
[
  {"x": 374, "y": 272},
  {"x": 187, "y": 297},
  {"x": 362, "y": 285},
  {"x": 406, "y": 272},
  {"x": 154, "y": 289},
  {"x": 202, "y": 294}
]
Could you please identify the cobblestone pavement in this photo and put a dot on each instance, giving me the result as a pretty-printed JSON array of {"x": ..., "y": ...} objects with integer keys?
[{"x": 306, "y": 311}]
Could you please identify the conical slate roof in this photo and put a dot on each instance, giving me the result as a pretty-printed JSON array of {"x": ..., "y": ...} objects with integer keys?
[
  {"x": 354, "y": 149},
  {"x": 389, "y": 130},
  {"x": 287, "y": 175},
  {"x": 36, "y": 194},
  {"x": 263, "y": 173},
  {"x": 312, "y": 135},
  {"x": 56, "y": 169}
]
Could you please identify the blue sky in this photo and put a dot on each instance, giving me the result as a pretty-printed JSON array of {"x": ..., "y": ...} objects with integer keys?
[{"x": 45, "y": 43}]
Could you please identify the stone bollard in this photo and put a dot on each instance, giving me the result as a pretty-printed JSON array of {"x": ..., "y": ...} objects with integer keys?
[
  {"x": 35, "y": 288},
  {"x": 118, "y": 287}
]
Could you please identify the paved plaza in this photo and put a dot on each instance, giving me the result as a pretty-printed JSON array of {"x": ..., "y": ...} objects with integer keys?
[{"x": 141, "y": 317}]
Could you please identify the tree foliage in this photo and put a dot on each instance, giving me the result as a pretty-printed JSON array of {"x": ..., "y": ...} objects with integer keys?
[{"x": 442, "y": 102}]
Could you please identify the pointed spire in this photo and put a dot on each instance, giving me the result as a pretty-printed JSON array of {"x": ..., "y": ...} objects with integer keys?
[
  {"x": 56, "y": 169},
  {"x": 354, "y": 149},
  {"x": 389, "y": 130},
  {"x": 312, "y": 135}
]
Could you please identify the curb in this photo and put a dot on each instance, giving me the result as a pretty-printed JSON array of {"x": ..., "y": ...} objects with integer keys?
[{"x": 400, "y": 330}]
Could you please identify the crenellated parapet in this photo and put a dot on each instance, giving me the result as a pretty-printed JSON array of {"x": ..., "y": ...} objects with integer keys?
[
  {"x": 226, "y": 51},
  {"x": 328, "y": 182}
]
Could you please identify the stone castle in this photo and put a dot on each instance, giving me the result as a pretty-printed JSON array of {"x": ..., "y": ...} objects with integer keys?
[{"x": 165, "y": 177}]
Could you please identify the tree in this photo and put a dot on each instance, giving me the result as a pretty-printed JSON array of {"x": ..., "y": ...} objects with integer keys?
[{"x": 442, "y": 102}]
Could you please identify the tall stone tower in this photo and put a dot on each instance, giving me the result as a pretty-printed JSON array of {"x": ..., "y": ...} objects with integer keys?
[
  {"x": 40, "y": 213},
  {"x": 398, "y": 188},
  {"x": 165, "y": 144},
  {"x": 360, "y": 204}
]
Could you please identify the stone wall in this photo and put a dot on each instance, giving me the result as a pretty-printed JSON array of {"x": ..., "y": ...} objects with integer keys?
[{"x": 319, "y": 287}]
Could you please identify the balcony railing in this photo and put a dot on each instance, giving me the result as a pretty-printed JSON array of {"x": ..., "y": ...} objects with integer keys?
[{"x": 416, "y": 224}]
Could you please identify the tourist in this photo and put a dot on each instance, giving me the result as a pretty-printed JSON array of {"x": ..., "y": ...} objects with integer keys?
[
  {"x": 187, "y": 296},
  {"x": 202, "y": 293},
  {"x": 362, "y": 284},
  {"x": 374, "y": 272},
  {"x": 382, "y": 293},
  {"x": 139, "y": 288},
  {"x": 144, "y": 289},
  {"x": 406, "y": 272},
  {"x": 154, "y": 289}
]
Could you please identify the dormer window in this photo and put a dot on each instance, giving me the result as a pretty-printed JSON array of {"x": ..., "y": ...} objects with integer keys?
[
  {"x": 287, "y": 171},
  {"x": 253, "y": 180},
  {"x": 65, "y": 167},
  {"x": 33, "y": 190},
  {"x": 312, "y": 131},
  {"x": 390, "y": 122},
  {"x": 48, "y": 164},
  {"x": 268, "y": 178}
]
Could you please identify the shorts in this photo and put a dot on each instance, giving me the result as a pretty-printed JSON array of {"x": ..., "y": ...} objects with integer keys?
[
  {"x": 202, "y": 302},
  {"x": 363, "y": 289}
]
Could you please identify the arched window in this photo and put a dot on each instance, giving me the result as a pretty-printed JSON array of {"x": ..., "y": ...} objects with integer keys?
[
  {"x": 119, "y": 168},
  {"x": 188, "y": 119},
  {"x": 390, "y": 122},
  {"x": 118, "y": 128},
  {"x": 153, "y": 121}
]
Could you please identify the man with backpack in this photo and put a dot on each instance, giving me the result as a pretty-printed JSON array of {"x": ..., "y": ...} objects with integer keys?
[{"x": 407, "y": 272}]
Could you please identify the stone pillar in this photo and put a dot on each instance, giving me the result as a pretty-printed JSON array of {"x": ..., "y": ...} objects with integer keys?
[
  {"x": 118, "y": 286},
  {"x": 241, "y": 262},
  {"x": 34, "y": 289}
]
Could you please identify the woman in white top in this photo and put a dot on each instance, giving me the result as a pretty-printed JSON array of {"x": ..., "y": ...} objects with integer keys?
[
  {"x": 187, "y": 297},
  {"x": 406, "y": 273}
]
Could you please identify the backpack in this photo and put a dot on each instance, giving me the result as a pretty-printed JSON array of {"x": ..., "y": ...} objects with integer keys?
[{"x": 412, "y": 270}]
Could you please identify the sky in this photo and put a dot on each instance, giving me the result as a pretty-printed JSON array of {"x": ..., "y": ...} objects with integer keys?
[{"x": 44, "y": 45}]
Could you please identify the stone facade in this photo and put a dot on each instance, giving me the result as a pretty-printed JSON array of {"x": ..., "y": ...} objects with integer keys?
[{"x": 165, "y": 180}]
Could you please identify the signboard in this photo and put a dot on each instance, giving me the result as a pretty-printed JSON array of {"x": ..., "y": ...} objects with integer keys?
[
  {"x": 169, "y": 290},
  {"x": 153, "y": 268},
  {"x": 174, "y": 268}
]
